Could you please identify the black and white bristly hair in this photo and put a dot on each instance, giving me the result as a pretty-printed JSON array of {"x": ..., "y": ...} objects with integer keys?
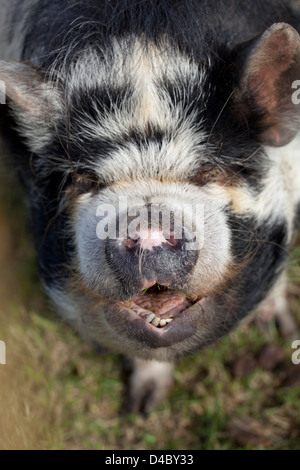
[{"x": 171, "y": 102}]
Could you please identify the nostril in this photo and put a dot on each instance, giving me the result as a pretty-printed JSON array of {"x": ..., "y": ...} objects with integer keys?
[{"x": 130, "y": 243}]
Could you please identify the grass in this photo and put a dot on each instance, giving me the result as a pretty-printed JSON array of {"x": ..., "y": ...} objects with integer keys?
[{"x": 57, "y": 393}]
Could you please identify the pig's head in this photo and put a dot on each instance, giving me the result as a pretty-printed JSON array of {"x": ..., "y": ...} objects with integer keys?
[{"x": 161, "y": 189}]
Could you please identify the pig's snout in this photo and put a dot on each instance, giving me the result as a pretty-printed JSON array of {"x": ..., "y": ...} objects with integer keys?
[{"x": 154, "y": 255}]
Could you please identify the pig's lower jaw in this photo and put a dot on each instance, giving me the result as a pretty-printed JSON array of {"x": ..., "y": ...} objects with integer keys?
[
  {"x": 163, "y": 340},
  {"x": 159, "y": 306}
]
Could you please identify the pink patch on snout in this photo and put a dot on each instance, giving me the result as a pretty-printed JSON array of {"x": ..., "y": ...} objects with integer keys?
[{"x": 148, "y": 239}]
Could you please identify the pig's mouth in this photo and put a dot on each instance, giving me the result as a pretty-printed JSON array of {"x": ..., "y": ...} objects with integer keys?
[
  {"x": 158, "y": 305},
  {"x": 161, "y": 323}
]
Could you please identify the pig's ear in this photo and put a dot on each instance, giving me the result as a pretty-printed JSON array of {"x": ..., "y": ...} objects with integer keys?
[
  {"x": 30, "y": 95},
  {"x": 263, "y": 98}
]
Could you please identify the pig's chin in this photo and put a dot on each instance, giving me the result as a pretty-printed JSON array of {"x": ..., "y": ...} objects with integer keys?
[{"x": 159, "y": 318}]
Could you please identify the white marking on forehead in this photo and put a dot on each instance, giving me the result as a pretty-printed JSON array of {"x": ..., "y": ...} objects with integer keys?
[
  {"x": 149, "y": 67},
  {"x": 143, "y": 68},
  {"x": 149, "y": 108},
  {"x": 175, "y": 158}
]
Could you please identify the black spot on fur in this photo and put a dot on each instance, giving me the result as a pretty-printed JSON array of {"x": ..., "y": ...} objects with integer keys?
[{"x": 261, "y": 251}]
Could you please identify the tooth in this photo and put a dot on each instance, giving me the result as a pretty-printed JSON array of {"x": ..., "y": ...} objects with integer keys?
[
  {"x": 150, "y": 317},
  {"x": 155, "y": 321},
  {"x": 168, "y": 320},
  {"x": 162, "y": 323}
]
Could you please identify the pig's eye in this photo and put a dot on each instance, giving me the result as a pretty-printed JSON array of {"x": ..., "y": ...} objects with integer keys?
[{"x": 210, "y": 175}]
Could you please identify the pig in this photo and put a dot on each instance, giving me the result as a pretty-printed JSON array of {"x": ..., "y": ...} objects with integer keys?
[{"x": 158, "y": 146}]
